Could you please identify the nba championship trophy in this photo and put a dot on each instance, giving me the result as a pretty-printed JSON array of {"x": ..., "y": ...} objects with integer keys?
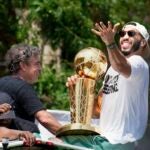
[{"x": 90, "y": 64}]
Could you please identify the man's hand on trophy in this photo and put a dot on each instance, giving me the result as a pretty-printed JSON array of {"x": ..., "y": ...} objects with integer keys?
[{"x": 71, "y": 81}]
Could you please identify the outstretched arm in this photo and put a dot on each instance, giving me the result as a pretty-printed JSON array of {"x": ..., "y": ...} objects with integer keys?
[
  {"x": 116, "y": 58},
  {"x": 48, "y": 121}
]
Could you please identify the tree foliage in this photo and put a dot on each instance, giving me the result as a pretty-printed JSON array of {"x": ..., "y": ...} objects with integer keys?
[
  {"x": 51, "y": 88},
  {"x": 66, "y": 24}
]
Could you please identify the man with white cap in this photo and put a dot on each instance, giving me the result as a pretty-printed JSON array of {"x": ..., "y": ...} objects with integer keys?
[
  {"x": 124, "y": 95},
  {"x": 144, "y": 50}
]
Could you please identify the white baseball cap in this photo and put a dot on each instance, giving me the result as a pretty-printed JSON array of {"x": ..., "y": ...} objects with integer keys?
[{"x": 142, "y": 30}]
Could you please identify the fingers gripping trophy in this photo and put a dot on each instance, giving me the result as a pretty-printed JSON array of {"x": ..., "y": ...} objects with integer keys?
[{"x": 90, "y": 65}]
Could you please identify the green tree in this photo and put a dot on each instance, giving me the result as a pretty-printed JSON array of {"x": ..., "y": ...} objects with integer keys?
[{"x": 66, "y": 24}]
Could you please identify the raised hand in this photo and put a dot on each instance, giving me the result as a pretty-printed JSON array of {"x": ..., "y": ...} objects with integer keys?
[{"x": 107, "y": 33}]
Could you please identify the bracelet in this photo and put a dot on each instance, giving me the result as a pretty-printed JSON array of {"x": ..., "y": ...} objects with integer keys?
[{"x": 111, "y": 46}]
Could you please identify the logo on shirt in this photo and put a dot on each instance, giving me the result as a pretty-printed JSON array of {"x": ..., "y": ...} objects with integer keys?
[{"x": 110, "y": 84}]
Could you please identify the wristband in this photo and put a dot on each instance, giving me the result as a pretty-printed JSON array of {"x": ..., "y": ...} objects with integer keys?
[{"x": 111, "y": 46}]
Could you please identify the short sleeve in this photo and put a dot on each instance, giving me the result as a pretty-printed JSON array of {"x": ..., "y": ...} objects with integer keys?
[{"x": 138, "y": 67}]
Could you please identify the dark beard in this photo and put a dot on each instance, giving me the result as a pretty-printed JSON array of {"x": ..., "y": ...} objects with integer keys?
[{"x": 135, "y": 48}]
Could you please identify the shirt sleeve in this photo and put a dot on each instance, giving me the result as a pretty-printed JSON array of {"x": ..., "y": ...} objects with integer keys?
[{"x": 138, "y": 66}]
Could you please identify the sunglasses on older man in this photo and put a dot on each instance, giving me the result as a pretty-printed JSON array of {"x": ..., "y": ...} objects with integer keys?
[{"x": 130, "y": 33}]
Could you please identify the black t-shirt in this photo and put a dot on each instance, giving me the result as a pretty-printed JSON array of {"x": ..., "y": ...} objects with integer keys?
[{"x": 26, "y": 102}]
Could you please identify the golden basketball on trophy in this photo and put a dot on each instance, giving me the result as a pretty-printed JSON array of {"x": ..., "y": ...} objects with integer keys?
[{"x": 90, "y": 65}]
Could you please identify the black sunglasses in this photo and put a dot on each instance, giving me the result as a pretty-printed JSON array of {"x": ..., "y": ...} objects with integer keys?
[{"x": 130, "y": 33}]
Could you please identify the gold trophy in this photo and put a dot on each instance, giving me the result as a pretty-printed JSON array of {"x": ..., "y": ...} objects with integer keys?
[{"x": 90, "y": 64}]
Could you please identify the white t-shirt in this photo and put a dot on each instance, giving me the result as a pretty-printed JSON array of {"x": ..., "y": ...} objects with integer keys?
[{"x": 125, "y": 103}]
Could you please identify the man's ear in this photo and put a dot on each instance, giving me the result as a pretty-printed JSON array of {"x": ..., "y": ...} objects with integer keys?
[
  {"x": 22, "y": 65},
  {"x": 145, "y": 49},
  {"x": 143, "y": 43}
]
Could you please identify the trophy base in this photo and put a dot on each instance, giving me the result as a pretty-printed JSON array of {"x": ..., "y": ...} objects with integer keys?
[{"x": 77, "y": 129}]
